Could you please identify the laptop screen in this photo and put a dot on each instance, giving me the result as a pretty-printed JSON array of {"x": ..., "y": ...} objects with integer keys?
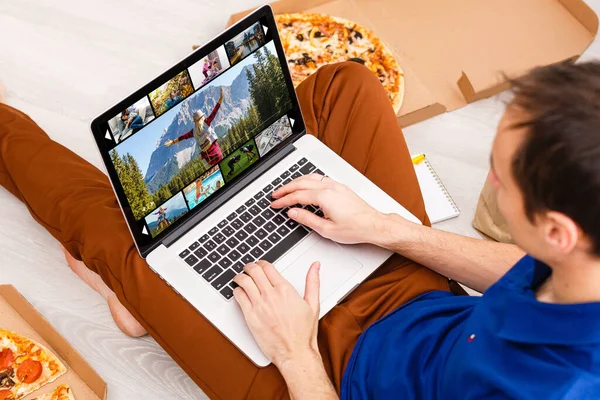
[{"x": 207, "y": 122}]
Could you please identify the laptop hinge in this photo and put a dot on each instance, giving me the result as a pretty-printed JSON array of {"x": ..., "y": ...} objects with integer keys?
[{"x": 229, "y": 192}]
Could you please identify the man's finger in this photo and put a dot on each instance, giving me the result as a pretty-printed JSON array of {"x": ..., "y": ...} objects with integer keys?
[
  {"x": 313, "y": 283},
  {"x": 243, "y": 300},
  {"x": 256, "y": 272},
  {"x": 309, "y": 219},
  {"x": 249, "y": 286},
  {"x": 312, "y": 181},
  {"x": 302, "y": 196},
  {"x": 271, "y": 273}
]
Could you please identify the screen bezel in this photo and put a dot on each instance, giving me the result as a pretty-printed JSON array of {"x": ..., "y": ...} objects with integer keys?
[{"x": 145, "y": 242}]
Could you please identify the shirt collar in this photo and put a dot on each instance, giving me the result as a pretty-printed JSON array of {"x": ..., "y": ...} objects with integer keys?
[{"x": 527, "y": 320}]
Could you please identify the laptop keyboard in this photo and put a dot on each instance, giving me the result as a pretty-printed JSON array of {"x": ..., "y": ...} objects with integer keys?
[{"x": 254, "y": 231}]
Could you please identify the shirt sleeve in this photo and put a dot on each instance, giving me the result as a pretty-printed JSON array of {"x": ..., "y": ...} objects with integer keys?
[
  {"x": 212, "y": 115},
  {"x": 187, "y": 135}
]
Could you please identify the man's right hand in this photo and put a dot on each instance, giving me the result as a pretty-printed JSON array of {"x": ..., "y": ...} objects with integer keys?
[
  {"x": 347, "y": 218},
  {"x": 168, "y": 143}
]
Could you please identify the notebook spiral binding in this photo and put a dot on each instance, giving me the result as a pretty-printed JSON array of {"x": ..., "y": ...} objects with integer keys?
[{"x": 441, "y": 185}]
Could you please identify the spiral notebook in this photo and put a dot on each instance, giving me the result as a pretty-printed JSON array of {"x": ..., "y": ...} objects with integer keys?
[{"x": 438, "y": 203}]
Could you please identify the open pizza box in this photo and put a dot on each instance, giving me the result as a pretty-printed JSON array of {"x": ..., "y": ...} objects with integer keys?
[
  {"x": 17, "y": 315},
  {"x": 454, "y": 52}
]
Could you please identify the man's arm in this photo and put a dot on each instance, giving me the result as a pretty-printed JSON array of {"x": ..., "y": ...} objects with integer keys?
[
  {"x": 187, "y": 135},
  {"x": 476, "y": 263},
  {"x": 306, "y": 378}
]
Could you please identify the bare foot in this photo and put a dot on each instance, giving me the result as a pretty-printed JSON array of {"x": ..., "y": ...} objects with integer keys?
[{"x": 122, "y": 317}]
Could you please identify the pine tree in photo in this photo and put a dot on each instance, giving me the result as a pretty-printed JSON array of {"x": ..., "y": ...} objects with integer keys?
[{"x": 137, "y": 193}]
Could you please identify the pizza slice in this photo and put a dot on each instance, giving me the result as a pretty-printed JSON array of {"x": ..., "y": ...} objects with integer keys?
[
  {"x": 62, "y": 392},
  {"x": 25, "y": 366}
]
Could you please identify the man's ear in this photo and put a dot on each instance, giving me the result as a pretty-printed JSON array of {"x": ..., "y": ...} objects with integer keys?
[{"x": 560, "y": 232}]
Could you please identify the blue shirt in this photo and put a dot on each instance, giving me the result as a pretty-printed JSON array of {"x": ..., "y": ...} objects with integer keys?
[{"x": 503, "y": 345}]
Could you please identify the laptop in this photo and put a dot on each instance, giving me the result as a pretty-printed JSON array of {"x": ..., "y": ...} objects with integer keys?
[{"x": 193, "y": 157}]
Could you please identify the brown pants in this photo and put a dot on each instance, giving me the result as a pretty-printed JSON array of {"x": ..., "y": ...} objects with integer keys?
[{"x": 346, "y": 108}]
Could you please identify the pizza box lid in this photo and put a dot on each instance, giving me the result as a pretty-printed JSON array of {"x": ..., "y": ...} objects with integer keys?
[
  {"x": 454, "y": 53},
  {"x": 19, "y": 316}
]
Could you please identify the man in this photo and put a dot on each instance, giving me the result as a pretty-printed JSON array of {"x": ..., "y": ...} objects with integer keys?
[
  {"x": 173, "y": 99},
  {"x": 401, "y": 334},
  {"x": 204, "y": 135}
]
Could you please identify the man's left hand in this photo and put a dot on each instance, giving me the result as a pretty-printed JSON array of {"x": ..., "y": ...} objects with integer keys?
[{"x": 283, "y": 323}]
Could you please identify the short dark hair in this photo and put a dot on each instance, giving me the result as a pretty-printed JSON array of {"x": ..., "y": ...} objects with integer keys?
[{"x": 557, "y": 167}]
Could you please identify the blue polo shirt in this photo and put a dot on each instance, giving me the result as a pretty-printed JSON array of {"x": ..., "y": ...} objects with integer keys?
[{"x": 503, "y": 345}]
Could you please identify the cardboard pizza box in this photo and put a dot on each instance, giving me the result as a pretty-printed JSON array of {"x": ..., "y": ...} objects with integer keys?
[
  {"x": 455, "y": 52},
  {"x": 17, "y": 315}
]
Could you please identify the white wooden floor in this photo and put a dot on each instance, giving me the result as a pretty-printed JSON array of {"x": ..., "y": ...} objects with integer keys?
[{"x": 64, "y": 62}]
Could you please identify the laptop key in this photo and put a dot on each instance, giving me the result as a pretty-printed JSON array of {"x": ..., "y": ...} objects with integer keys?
[
  {"x": 282, "y": 247},
  {"x": 268, "y": 214},
  {"x": 310, "y": 208},
  {"x": 290, "y": 223},
  {"x": 294, "y": 168},
  {"x": 233, "y": 284},
  {"x": 285, "y": 175},
  {"x": 237, "y": 224},
  {"x": 285, "y": 182},
  {"x": 243, "y": 248},
  {"x": 201, "y": 253},
  {"x": 184, "y": 253},
  {"x": 225, "y": 262},
  {"x": 241, "y": 209},
  {"x": 252, "y": 241},
  {"x": 249, "y": 202},
  {"x": 268, "y": 188},
  {"x": 202, "y": 266},
  {"x": 214, "y": 257},
  {"x": 296, "y": 175},
  {"x": 231, "y": 217},
  {"x": 264, "y": 203},
  {"x": 318, "y": 171},
  {"x": 261, "y": 234},
  {"x": 265, "y": 245},
  {"x": 213, "y": 231},
  {"x": 210, "y": 245},
  {"x": 250, "y": 228},
  {"x": 191, "y": 260},
  {"x": 319, "y": 213},
  {"x": 247, "y": 259},
  {"x": 227, "y": 292},
  {"x": 307, "y": 169},
  {"x": 223, "y": 279},
  {"x": 219, "y": 238},
  {"x": 257, "y": 252},
  {"x": 232, "y": 242},
  {"x": 228, "y": 231},
  {"x": 276, "y": 182},
  {"x": 283, "y": 230},
  {"x": 194, "y": 246},
  {"x": 259, "y": 221},
  {"x": 270, "y": 226},
  {"x": 283, "y": 211},
  {"x": 241, "y": 235},
  {"x": 204, "y": 238},
  {"x": 212, "y": 273},
  {"x": 278, "y": 219},
  {"x": 234, "y": 255},
  {"x": 223, "y": 249},
  {"x": 246, "y": 217},
  {"x": 222, "y": 223},
  {"x": 254, "y": 210},
  {"x": 238, "y": 267},
  {"x": 302, "y": 161},
  {"x": 274, "y": 237},
  {"x": 258, "y": 195}
]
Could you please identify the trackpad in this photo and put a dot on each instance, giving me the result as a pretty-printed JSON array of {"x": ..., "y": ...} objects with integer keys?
[{"x": 337, "y": 266}]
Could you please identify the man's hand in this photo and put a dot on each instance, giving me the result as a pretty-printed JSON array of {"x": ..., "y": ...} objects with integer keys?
[
  {"x": 348, "y": 219},
  {"x": 283, "y": 323}
]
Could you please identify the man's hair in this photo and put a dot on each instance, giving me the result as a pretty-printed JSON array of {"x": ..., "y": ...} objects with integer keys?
[{"x": 557, "y": 167}]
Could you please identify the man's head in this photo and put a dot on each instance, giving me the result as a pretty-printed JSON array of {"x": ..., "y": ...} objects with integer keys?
[
  {"x": 199, "y": 117},
  {"x": 546, "y": 162}
]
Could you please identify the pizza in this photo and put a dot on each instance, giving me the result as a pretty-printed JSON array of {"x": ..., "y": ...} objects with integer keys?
[
  {"x": 25, "y": 366},
  {"x": 313, "y": 40},
  {"x": 62, "y": 392}
]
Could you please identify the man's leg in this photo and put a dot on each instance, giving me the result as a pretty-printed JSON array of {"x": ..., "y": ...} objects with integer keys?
[
  {"x": 74, "y": 201},
  {"x": 346, "y": 107}
]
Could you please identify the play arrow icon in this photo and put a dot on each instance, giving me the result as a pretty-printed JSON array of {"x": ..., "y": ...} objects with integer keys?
[
  {"x": 145, "y": 231},
  {"x": 266, "y": 29},
  {"x": 292, "y": 120},
  {"x": 107, "y": 136}
]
